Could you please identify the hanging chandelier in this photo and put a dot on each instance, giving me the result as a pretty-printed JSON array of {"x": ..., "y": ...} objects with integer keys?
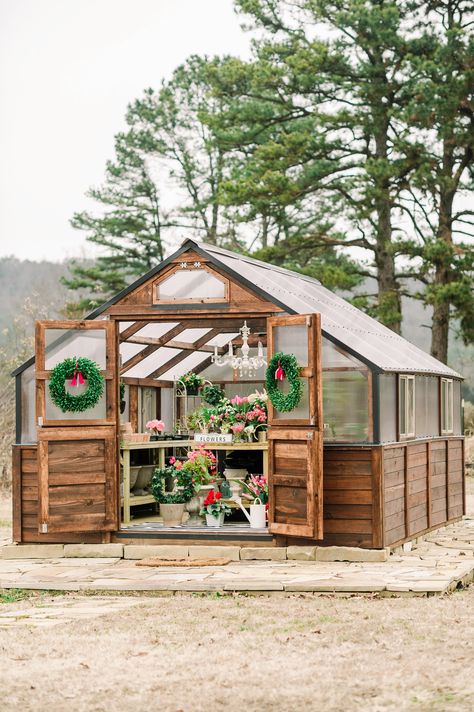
[{"x": 244, "y": 364}]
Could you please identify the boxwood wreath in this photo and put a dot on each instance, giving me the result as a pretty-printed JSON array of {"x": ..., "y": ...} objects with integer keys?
[
  {"x": 76, "y": 369},
  {"x": 283, "y": 366}
]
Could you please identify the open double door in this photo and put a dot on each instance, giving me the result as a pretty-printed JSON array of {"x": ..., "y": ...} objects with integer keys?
[{"x": 78, "y": 471}]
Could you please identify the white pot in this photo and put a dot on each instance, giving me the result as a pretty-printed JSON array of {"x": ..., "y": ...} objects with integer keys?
[
  {"x": 212, "y": 521},
  {"x": 233, "y": 476},
  {"x": 257, "y": 516}
]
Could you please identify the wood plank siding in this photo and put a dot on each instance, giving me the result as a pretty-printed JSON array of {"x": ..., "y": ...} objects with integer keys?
[
  {"x": 26, "y": 507},
  {"x": 423, "y": 487},
  {"x": 373, "y": 496}
]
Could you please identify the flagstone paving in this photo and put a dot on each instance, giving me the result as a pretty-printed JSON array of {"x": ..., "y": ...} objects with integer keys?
[{"x": 437, "y": 565}]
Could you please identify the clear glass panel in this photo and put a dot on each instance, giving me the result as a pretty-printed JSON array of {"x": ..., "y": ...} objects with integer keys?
[
  {"x": 345, "y": 406},
  {"x": 301, "y": 412},
  {"x": 410, "y": 406},
  {"x": 421, "y": 406},
  {"x": 167, "y": 408},
  {"x": 187, "y": 364},
  {"x": 127, "y": 351},
  {"x": 69, "y": 343},
  {"x": 28, "y": 406},
  {"x": 243, "y": 389},
  {"x": 292, "y": 340},
  {"x": 190, "y": 284},
  {"x": 151, "y": 363},
  {"x": 95, "y": 413},
  {"x": 388, "y": 407},
  {"x": 156, "y": 330},
  {"x": 402, "y": 405},
  {"x": 335, "y": 357},
  {"x": 192, "y": 335},
  {"x": 146, "y": 407},
  {"x": 433, "y": 405},
  {"x": 457, "y": 408}
]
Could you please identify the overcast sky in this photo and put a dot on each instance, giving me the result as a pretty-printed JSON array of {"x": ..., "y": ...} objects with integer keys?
[{"x": 68, "y": 68}]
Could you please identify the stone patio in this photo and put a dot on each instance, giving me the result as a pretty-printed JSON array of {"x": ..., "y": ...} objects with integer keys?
[{"x": 436, "y": 565}]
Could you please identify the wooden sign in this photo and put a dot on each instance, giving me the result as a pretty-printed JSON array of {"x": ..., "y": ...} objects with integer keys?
[{"x": 213, "y": 437}]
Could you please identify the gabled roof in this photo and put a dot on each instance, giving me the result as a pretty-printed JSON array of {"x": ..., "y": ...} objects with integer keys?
[{"x": 341, "y": 322}]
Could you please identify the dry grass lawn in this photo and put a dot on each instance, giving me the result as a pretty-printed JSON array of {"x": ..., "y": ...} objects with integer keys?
[{"x": 265, "y": 653}]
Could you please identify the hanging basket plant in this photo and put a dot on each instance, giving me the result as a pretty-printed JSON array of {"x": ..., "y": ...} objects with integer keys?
[
  {"x": 284, "y": 366},
  {"x": 77, "y": 371}
]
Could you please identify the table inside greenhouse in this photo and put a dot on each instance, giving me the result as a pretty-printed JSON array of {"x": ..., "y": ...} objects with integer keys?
[{"x": 161, "y": 446}]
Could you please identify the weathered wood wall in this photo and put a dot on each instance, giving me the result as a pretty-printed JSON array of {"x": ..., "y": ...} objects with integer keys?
[
  {"x": 423, "y": 486},
  {"x": 373, "y": 496},
  {"x": 25, "y": 503}
]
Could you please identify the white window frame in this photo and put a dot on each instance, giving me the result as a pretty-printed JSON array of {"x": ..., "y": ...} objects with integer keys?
[
  {"x": 409, "y": 414},
  {"x": 447, "y": 406}
]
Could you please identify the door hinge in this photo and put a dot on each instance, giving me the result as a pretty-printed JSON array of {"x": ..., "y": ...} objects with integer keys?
[
  {"x": 44, "y": 528},
  {"x": 310, "y": 436},
  {"x": 309, "y": 320},
  {"x": 312, "y": 420},
  {"x": 40, "y": 421}
]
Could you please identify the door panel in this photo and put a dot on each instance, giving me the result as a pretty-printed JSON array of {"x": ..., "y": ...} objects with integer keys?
[
  {"x": 299, "y": 335},
  {"x": 77, "y": 452},
  {"x": 296, "y": 437},
  {"x": 295, "y": 482},
  {"x": 77, "y": 479},
  {"x": 57, "y": 340}
]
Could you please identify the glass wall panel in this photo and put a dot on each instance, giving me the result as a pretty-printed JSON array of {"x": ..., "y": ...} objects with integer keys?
[
  {"x": 167, "y": 408},
  {"x": 457, "y": 407},
  {"x": 301, "y": 412},
  {"x": 345, "y": 395},
  {"x": 146, "y": 407},
  {"x": 426, "y": 406},
  {"x": 190, "y": 284},
  {"x": 345, "y": 406},
  {"x": 62, "y": 343},
  {"x": 388, "y": 407},
  {"x": 292, "y": 340},
  {"x": 98, "y": 412},
  {"x": 28, "y": 406}
]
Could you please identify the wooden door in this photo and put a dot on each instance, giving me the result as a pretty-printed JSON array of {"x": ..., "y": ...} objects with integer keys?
[
  {"x": 77, "y": 452},
  {"x": 296, "y": 437}
]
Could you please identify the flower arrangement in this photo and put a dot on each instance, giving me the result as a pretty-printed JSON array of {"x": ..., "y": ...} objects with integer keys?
[
  {"x": 214, "y": 505},
  {"x": 192, "y": 382},
  {"x": 241, "y": 415},
  {"x": 200, "y": 466},
  {"x": 156, "y": 426},
  {"x": 182, "y": 488},
  {"x": 256, "y": 489}
]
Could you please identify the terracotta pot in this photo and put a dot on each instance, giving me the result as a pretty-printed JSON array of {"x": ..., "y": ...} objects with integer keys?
[{"x": 172, "y": 514}]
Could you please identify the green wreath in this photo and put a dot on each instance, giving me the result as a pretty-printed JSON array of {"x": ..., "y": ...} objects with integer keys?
[
  {"x": 76, "y": 368},
  {"x": 286, "y": 366}
]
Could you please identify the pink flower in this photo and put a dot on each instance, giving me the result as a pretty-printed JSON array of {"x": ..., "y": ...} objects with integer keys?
[
  {"x": 156, "y": 425},
  {"x": 237, "y": 428},
  {"x": 178, "y": 465},
  {"x": 172, "y": 460}
]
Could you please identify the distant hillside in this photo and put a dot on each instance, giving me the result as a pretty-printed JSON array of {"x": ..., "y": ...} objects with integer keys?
[{"x": 40, "y": 281}]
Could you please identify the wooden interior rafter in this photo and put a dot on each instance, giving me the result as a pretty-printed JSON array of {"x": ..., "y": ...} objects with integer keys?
[
  {"x": 191, "y": 348},
  {"x": 148, "y": 350},
  {"x": 131, "y": 330}
]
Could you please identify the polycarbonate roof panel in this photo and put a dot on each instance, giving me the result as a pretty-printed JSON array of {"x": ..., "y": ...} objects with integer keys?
[{"x": 374, "y": 342}]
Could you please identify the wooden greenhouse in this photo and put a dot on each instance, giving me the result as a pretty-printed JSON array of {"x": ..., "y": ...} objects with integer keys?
[{"x": 371, "y": 456}]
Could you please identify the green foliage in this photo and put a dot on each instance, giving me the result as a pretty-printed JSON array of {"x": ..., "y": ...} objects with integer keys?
[
  {"x": 182, "y": 492},
  {"x": 64, "y": 400},
  {"x": 213, "y": 394},
  {"x": 284, "y": 402}
]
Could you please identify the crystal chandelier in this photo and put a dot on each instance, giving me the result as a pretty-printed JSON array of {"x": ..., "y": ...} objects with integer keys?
[{"x": 244, "y": 364}]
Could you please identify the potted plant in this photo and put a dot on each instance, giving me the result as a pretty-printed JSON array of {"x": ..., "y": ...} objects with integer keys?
[
  {"x": 171, "y": 503},
  {"x": 200, "y": 467},
  {"x": 214, "y": 509},
  {"x": 192, "y": 383},
  {"x": 213, "y": 394},
  {"x": 256, "y": 490},
  {"x": 156, "y": 427}
]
